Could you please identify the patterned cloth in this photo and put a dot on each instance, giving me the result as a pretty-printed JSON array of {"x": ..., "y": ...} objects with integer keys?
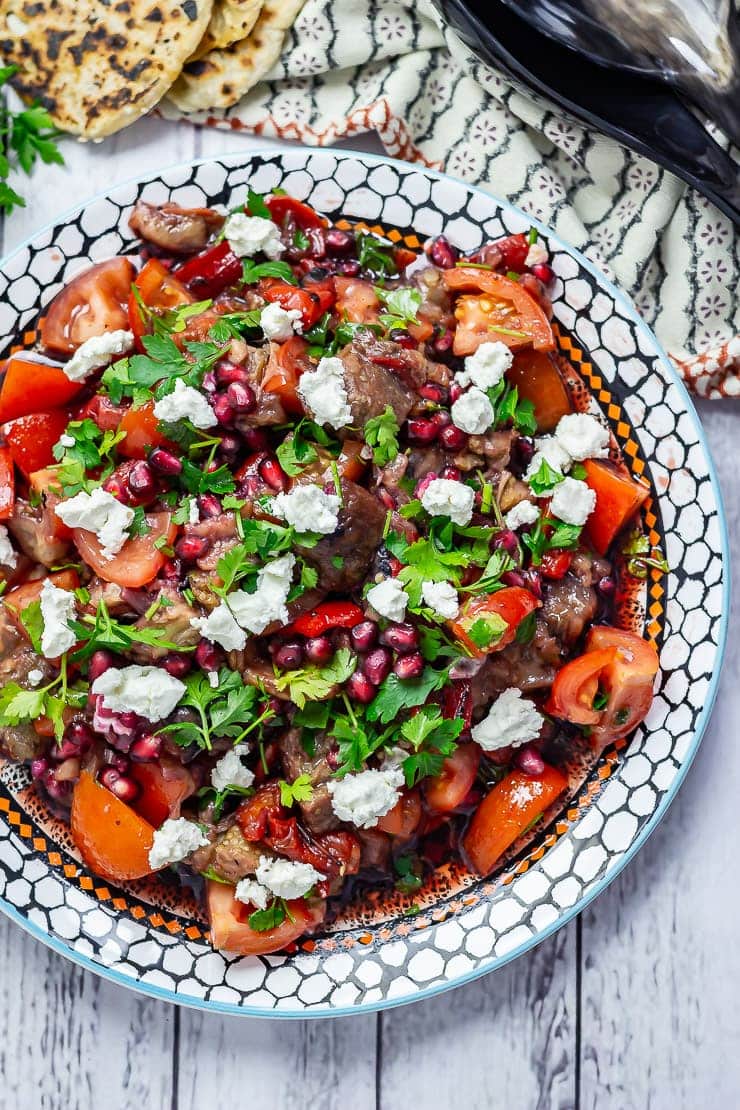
[{"x": 351, "y": 66}]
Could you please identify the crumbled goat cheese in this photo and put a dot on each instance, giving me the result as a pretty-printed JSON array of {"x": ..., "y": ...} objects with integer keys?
[
  {"x": 212, "y": 677},
  {"x": 279, "y": 323},
  {"x": 177, "y": 839},
  {"x": 486, "y": 366},
  {"x": 512, "y": 720},
  {"x": 35, "y": 677},
  {"x": 549, "y": 450},
  {"x": 57, "y": 609},
  {"x": 267, "y": 604},
  {"x": 364, "y": 798},
  {"x": 95, "y": 352},
  {"x": 253, "y": 893},
  {"x": 582, "y": 436},
  {"x": 230, "y": 771},
  {"x": 194, "y": 512},
  {"x": 248, "y": 235},
  {"x": 101, "y": 513},
  {"x": 308, "y": 509},
  {"x": 185, "y": 403},
  {"x": 66, "y": 441},
  {"x": 148, "y": 691},
  {"x": 8, "y": 554},
  {"x": 572, "y": 501},
  {"x": 526, "y": 512},
  {"x": 442, "y": 598},
  {"x": 389, "y": 599},
  {"x": 287, "y": 878},
  {"x": 536, "y": 254},
  {"x": 324, "y": 393},
  {"x": 473, "y": 412},
  {"x": 446, "y": 497},
  {"x": 220, "y": 628}
]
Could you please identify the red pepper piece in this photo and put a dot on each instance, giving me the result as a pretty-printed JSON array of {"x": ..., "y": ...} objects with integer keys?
[
  {"x": 7, "y": 484},
  {"x": 207, "y": 274},
  {"x": 331, "y": 614}
]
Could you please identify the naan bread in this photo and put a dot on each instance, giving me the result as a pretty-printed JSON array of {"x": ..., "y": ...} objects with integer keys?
[
  {"x": 231, "y": 21},
  {"x": 99, "y": 66},
  {"x": 222, "y": 77}
]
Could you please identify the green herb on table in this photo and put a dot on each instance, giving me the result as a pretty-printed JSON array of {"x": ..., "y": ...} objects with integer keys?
[{"x": 25, "y": 136}]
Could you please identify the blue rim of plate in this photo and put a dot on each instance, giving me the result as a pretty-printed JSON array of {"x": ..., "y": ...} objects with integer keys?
[{"x": 214, "y": 1006}]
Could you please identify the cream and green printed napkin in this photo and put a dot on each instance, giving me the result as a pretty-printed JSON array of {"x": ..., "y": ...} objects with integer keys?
[{"x": 350, "y": 66}]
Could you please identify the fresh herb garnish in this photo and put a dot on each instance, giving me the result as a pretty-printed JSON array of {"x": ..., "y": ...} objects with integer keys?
[
  {"x": 409, "y": 870},
  {"x": 641, "y": 557},
  {"x": 432, "y": 738},
  {"x": 300, "y": 790},
  {"x": 230, "y": 709},
  {"x": 395, "y": 694},
  {"x": 381, "y": 433},
  {"x": 24, "y": 136},
  {"x": 401, "y": 307},
  {"x": 256, "y": 205},
  {"x": 269, "y": 918},
  {"x": 252, "y": 272},
  {"x": 374, "y": 255},
  {"x": 102, "y": 631},
  {"x": 314, "y": 683},
  {"x": 295, "y": 453},
  {"x": 21, "y": 706},
  {"x": 544, "y": 479}
]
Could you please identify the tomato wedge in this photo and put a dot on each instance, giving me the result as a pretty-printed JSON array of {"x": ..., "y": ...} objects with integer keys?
[
  {"x": 575, "y": 687},
  {"x": 207, "y": 274},
  {"x": 29, "y": 386},
  {"x": 453, "y": 784},
  {"x": 138, "y": 561},
  {"x": 30, "y": 439},
  {"x": 93, "y": 302},
  {"x": 102, "y": 411},
  {"x": 301, "y": 214},
  {"x": 158, "y": 290},
  {"x": 7, "y": 484},
  {"x": 356, "y": 300},
  {"x": 16, "y": 600},
  {"x": 113, "y": 840},
  {"x": 403, "y": 820},
  {"x": 503, "y": 310},
  {"x": 618, "y": 500},
  {"x": 287, "y": 362},
  {"x": 505, "y": 813},
  {"x": 312, "y": 301},
  {"x": 538, "y": 379},
  {"x": 230, "y": 928},
  {"x": 164, "y": 786},
  {"x": 142, "y": 432},
  {"x": 481, "y": 635}
]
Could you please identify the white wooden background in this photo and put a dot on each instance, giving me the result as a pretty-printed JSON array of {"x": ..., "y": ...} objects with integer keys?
[{"x": 633, "y": 1006}]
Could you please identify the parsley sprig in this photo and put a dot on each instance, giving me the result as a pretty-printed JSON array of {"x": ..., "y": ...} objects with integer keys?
[
  {"x": 21, "y": 706},
  {"x": 91, "y": 451},
  {"x": 231, "y": 709},
  {"x": 25, "y": 136},
  {"x": 381, "y": 433},
  {"x": 401, "y": 307},
  {"x": 102, "y": 631}
]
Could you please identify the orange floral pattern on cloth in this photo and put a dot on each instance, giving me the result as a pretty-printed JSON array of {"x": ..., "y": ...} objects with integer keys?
[{"x": 390, "y": 66}]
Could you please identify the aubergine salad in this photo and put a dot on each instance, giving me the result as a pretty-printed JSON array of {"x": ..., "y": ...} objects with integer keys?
[{"x": 308, "y": 562}]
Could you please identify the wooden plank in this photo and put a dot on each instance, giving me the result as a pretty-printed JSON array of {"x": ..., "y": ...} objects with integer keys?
[
  {"x": 504, "y": 1042},
  {"x": 326, "y": 1064},
  {"x": 71, "y": 1041},
  {"x": 661, "y": 962}
]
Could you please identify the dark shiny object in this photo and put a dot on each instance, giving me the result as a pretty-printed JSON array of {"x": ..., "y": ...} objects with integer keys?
[{"x": 639, "y": 112}]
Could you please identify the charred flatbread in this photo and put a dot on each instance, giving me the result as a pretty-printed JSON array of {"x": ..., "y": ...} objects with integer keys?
[{"x": 231, "y": 21}]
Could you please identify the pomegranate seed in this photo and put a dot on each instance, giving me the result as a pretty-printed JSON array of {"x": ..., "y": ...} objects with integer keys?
[
  {"x": 230, "y": 446},
  {"x": 421, "y": 431},
  {"x": 124, "y": 788},
  {"x": 59, "y": 791},
  {"x": 208, "y": 655},
  {"x": 514, "y": 578},
  {"x": 223, "y": 409},
  {"x": 401, "y": 637},
  {"x": 289, "y": 656},
  {"x": 116, "y": 486},
  {"x": 241, "y": 397},
  {"x": 409, "y": 666},
  {"x": 141, "y": 480},
  {"x": 424, "y": 483},
  {"x": 533, "y": 579},
  {"x": 544, "y": 272},
  {"x": 360, "y": 688},
  {"x": 403, "y": 339},
  {"x": 442, "y": 253},
  {"x": 522, "y": 453},
  {"x": 209, "y": 505},
  {"x": 456, "y": 391},
  {"x": 350, "y": 268},
  {"x": 606, "y": 585},
  {"x": 78, "y": 739},
  {"x": 171, "y": 570},
  {"x": 364, "y": 635},
  {"x": 376, "y": 665},
  {"x": 146, "y": 749},
  {"x": 100, "y": 661},
  {"x": 452, "y": 473},
  {"x": 453, "y": 439},
  {"x": 209, "y": 381},
  {"x": 529, "y": 760},
  {"x": 191, "y": 547},
  {"x": 319, "y": 649},
  {"x": 39, "y": 767},
  {"x": 432, "y": 392},
  {"x": 442, "y": 344},
  {"x": 228, "y": 372},
  {"x": 338, "y": 242},
  {"x": 112, "y": 758},
  {"x": 164, "y": 461},
  {"x": 256, "y": 439},
  {"x": 507, "y": 540},
  {"x": 272, "y": 472},
  {"x": 386, "y": 498},
  {"x": 176, "y": 664},
  {"x": 442, "y": 419}
]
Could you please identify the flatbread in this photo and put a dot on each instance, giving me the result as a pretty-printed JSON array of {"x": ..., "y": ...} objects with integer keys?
[
  {"x": 222, "y": 77},
  {"x": 231, "y": 21},
  {"x": 97, "y": 67}
]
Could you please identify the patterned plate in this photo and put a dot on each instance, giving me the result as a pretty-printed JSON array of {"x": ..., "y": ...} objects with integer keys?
[{"x": 148, "y": 936}]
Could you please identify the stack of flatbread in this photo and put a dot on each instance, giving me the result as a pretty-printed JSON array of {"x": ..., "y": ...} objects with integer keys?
[{"x": 97, "y": 67}]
